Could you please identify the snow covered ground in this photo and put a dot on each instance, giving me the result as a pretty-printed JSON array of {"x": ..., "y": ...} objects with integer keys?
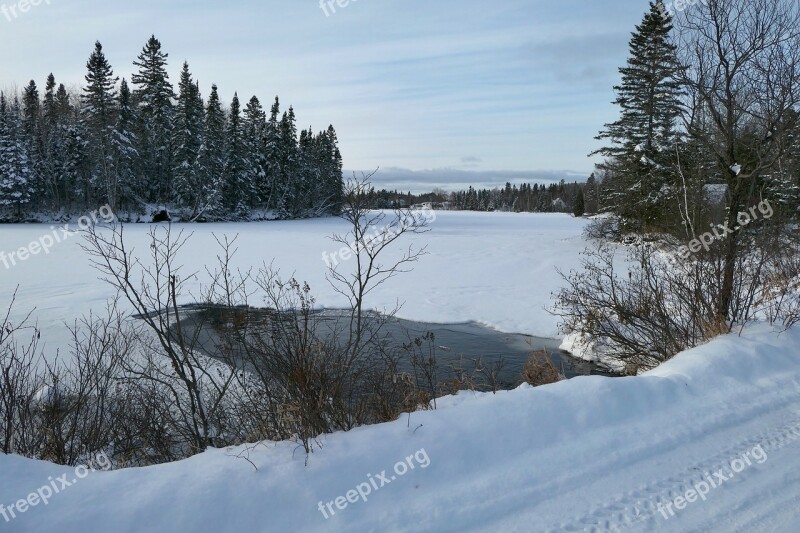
[
  {"x": 710, "y": 441},
  {"x": 495, "y": 268},
  {"x": 590, "y": 454}
]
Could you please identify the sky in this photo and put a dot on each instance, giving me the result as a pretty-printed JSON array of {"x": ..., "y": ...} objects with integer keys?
[{"x": 434, "y": 94}]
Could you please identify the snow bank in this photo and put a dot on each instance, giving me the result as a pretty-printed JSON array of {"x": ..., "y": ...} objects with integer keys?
[{"x": 590, "y": 452}]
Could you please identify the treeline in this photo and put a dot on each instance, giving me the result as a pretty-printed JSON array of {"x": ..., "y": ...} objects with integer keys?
[
  {"x": 537, "y": 198},
  {"x": 141, "y": 146},
  {"x": 576, "y": 198}
]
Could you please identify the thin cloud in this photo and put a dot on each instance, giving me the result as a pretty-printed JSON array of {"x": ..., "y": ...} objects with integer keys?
[{"x": 412, "y": 84}]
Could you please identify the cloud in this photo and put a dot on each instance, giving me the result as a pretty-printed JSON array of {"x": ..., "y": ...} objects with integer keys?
[{"x": 411, "y": 84}]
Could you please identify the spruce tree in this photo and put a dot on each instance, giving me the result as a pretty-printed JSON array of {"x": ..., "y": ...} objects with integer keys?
[
  {"x": 580, "y": 206},
  {"x": 272, "y": 184},
  {"x": 254, "y": 137},
  {"x": 123, "y": 149},
  {"x": 591, "y": 195},
  {"x": 49, "y": 103},
  {"x": 139, "y": 144},
  {"x": 154, "y": 97},
  {"x": 189, "y": 118},
  {"x": 334, "y": 179},
  {"x": 64, "y": 148},
  {"x": 211, "y": 161},
  {"x": 31, "y": 111},
  {"x": 237, "y": 189},
  {"x": 32, "y": 131},
  {"x": 310, "y": 170},
  {"x": 99, "y": 116},
  {"x": 643, "y": 139},
  {"x": 16, "y": 188},
  {"x": 290, "y": 185},
  {"x": 64, "y": 109}
]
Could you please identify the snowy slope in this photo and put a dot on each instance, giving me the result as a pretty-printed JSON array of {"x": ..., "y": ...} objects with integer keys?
[
  {"x": 592, "y": 453},
  {"x": 495, "y": 268}
]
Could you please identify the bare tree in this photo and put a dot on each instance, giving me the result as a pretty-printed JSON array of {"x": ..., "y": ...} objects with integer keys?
[
  {"x": 742, "y": 70},
  {"x": 196, "y": 388},
  {"x": 370, "y": 237}
]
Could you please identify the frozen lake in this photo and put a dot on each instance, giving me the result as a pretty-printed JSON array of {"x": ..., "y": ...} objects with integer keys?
[{"x": 494, "y": 269}]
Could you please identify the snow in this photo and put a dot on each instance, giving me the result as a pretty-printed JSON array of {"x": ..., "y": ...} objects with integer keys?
[
  {"x": 716, "y": 192},
  {"x": 592, "y": 452},
  {"x": 579, "y": 346},
  {"x": 498, "y": 269}
]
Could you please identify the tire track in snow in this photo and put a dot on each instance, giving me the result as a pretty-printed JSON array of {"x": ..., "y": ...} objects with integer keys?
[{"x": 640, "y": 505}]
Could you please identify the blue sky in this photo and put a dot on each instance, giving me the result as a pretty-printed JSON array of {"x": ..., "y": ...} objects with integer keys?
[{"x": 434, "y": 93}]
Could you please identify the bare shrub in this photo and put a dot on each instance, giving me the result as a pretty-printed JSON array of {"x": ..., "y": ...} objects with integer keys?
[
  {"x": 19, "y": 383},
  {"x": 421, "y": 352},
  {"x": 603, "y": 228},
  {"x": 661, "y": 304},
  {"x": 779, "y": 297},
  {"x": 170, "y": 358},
  {"x": 474, "y": 375},
  {"x": 539, "y": 369}
]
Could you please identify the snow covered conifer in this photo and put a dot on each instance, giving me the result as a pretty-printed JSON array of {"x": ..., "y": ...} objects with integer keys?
[
  {"x": 15, "y": 172},
  {"x": 188, "y": 139},
  {"x": 123, "y": 150},
  {"x": 642, "y": 140},
  {"x": 154, "y": 97},
  {"x": 99, "y": 115},
  {"x": 237, "y": 187},
  {"x": 254, "y": 136},
  {"x": 212, "y": 159}
]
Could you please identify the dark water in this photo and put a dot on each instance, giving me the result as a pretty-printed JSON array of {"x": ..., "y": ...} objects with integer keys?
[{"x": 460, "y": 345}]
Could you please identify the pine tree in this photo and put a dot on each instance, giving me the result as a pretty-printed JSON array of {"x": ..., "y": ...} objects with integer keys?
[
  {"x": 273, "y": 187},
  {"x": 123, "y": 149},
  {"x": 334, "y": 179},
  {"x": 643, "y": 139},
  {"x": 290, "y": 185},
  {"x": 211, "y": 164},
  {"x": 154, "y": 97},
  {"x": 15, "y": 173},
  {"x": 592, "y": 195},
  {"x": 254, "y": 137},
  {"x": 237, "y": 188},
  {"x": 99, "y": 116},
  {"x": 189, "y": 118},
  {"x": 32, "y": 131},
  {"x": 580, "y": 206}
]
